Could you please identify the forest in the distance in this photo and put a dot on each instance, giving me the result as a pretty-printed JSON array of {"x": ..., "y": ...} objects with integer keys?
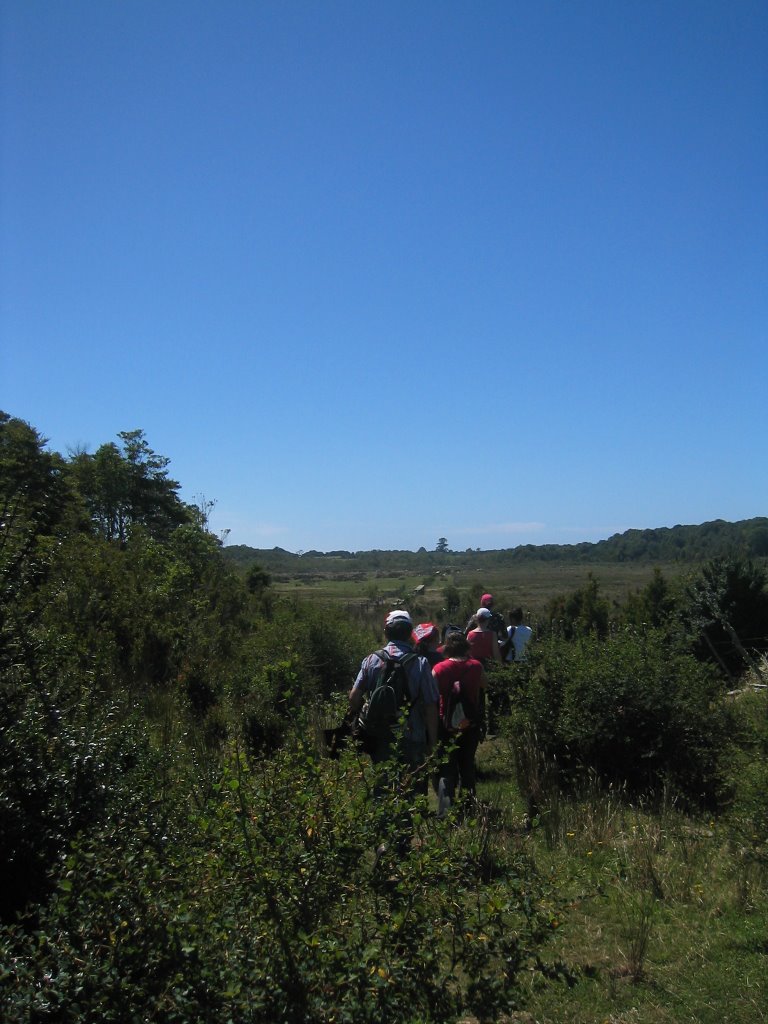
[{"x": 747, "y": 538}]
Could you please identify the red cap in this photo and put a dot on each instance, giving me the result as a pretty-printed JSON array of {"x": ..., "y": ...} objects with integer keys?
[
  {"x": 424, "y": 631},
  {"x": 486, "y": 599}
]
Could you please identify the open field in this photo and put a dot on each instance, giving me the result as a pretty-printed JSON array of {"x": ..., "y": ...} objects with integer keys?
[{"x": 530, "y": 585}]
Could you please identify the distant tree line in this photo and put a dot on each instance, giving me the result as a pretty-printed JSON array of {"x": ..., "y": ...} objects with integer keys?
[{"x": 686, "y": 544}]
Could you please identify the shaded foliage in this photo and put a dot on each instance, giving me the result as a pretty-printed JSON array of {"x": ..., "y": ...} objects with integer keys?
[
  {"x": 632, "y": 710},
  {"x": 725, "y": 610},
  {"x": 748, "y": 773},
  {"x": 256, "y": 899}
]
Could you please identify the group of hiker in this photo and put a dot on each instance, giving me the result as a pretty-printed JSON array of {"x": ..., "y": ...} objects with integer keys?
[{"x": 424, "y": 692}]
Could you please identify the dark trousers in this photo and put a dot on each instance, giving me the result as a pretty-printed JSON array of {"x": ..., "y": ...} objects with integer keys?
[{"x": 458, "y": 768}]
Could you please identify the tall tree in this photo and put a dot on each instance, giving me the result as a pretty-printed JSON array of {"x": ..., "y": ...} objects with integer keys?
[{"x": 130, "y": 487}]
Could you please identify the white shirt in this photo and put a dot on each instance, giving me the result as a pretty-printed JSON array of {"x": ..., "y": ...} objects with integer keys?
[{"x": 520, "y": 637}]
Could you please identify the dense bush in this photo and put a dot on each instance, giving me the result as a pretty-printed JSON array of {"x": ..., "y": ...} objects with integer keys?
[
  {"x": 264, "y": 902},
  {"x": 67, "y": 762},
  {"x": 724, "y": 611},
  {"x": 653, "y": 605},
  {"x": 631, "y": 710},
  {"x": 583, "y": 612}
]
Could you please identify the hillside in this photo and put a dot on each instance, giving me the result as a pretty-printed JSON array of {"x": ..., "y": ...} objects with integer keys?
[{"x": 747, "y": 538}]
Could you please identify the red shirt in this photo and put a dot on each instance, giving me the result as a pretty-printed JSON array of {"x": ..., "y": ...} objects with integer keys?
[
  {"x": 481, "y": 644},
  {"x": 469, "y": 672}
]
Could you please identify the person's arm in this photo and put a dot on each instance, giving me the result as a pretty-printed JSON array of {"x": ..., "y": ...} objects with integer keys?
[
  {"x": 483, "y": 683},
  {"x": 356, "y": 696},
  {"x": 357, "y": 693}
]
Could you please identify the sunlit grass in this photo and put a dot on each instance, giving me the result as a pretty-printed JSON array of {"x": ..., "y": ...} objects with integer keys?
[
  {"x": 531, "y": 585},
  {"x": 657, "y": 924}
]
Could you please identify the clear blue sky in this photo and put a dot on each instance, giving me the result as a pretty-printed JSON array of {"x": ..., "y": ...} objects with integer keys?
[{"x": 373, "y": 273}]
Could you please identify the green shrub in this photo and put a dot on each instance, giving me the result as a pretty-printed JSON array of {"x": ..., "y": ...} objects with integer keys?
[
  {"x": 724, "y": 610},
  {"x": 582, "y": 613},
  {"x": 264, "y": 902},
  {"x": 65, "y": 764},
  {"x": 276, "y": 703},
  {"x": 630, "y": 710},
  {"x": 324, "y": 647}
]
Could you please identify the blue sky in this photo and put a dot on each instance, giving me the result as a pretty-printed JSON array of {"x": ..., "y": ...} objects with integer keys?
[{"x": 370, "y": 274}]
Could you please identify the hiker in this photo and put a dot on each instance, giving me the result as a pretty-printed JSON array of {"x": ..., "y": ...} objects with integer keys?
[
  {"x": 419, "y": 734},
  {"x": 497, "y": 621},
  {"x": 484, "y": 647},
  {"x": 426, "y": 639},
  {"x": 482, "y": 639},
  {"x": 459, "y": 767},
  {"x": 450, "y": 627},
  {"x": 518, "y": 635}
]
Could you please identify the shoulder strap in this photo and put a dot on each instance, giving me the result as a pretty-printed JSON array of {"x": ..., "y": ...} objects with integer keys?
[
  {"x": 409, "y": 700},
  {"x": 387, "y": 658}
]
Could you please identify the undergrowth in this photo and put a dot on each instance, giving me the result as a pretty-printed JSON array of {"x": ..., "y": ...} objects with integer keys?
[{"x": 663, "y": 912}]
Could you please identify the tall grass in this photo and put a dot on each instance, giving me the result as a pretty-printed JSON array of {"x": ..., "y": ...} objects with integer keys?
[{"x": 661, "y": 913}]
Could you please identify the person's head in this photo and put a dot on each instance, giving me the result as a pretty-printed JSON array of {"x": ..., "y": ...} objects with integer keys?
[
  {"x": 456, "y": 645},
  {"x": 516, "y": 616},
  {"x": 426, "y": 636},
  {"x": 487, "y": 600},
  {"x": 398, "y": 625},
  {"x": 483, "y": 617}
]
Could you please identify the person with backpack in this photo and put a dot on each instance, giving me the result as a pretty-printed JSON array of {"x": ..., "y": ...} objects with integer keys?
[
  {"x": 484, "y": 647},
  {"x": 461, "y": 681},
  {"x": 496, "y": 621},
  {"x": 483, "y": 641},
  {"x": 395, "y": 700},
  {"x": 518, "y": 635}
]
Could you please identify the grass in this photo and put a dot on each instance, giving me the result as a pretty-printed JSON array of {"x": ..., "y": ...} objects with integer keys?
[
  {"x": 345, "y": 588},
  {"x": 530, "y": 585},
  {"x": 652, "y": 915}
]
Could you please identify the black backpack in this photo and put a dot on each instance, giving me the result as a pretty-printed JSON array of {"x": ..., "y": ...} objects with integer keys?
[
  {"x": 509, "y": 644},
  {"x": 389, "y": 697}
]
